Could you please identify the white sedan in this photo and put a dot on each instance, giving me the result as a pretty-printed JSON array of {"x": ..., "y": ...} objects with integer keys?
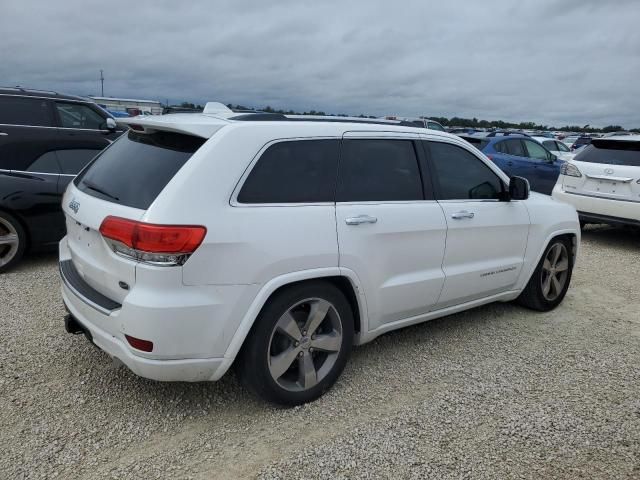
[{"x": 557, "y": 147}]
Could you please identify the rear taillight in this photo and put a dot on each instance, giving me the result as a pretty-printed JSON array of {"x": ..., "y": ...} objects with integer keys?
[
  {"x": 151, "y": 243},
  {"x": 570, "y": 170}
]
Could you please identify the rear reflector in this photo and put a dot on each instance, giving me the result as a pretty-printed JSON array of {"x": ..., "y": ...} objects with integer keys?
[
  {"x": 147, "y": 237},
  {"x": 137, "y": 343}
]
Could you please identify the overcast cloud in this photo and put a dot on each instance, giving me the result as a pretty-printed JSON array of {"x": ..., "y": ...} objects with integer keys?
[{"x": 555, "y": 62}]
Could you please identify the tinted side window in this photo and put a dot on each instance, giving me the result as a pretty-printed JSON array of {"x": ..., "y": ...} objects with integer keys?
[
  {"x": 378, "y": 170},
  {"x": 562, "y": 147},
  {"x": 72, "y": 161},
  {"x": 536, "y": 150},
  {"x": 435, "y": 126},
  {"x": 302, "y": 171},
  {"x": 551, "y": 145},
  {"x": 461, "y": 175},
  {"x": 25, "y": 111},
  {"x": 45, "y": 163},
  {"x": 501, "y": 147},
  {"x": 514, "y": 147},
  {"x": 76, "y": 115}
]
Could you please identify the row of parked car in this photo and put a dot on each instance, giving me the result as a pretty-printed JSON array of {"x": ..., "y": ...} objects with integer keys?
[
  {"x": 275, "y": 243},
  {"x": 46, "y": 138}
]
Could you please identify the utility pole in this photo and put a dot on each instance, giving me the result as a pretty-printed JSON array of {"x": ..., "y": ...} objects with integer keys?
[{"x": 101, "y": 83}]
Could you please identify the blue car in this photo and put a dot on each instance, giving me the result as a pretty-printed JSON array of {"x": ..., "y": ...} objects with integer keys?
[{"x": 519, "y": 155}]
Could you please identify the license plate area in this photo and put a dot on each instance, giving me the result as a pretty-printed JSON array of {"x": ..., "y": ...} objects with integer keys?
[{"x": 610, "y": 188}]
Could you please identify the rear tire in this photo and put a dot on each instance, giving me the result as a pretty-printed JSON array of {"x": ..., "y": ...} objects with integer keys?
[
  {"x": 13, "y": 241},
  {"x": 299, "y": 344},
  {"x": 550, "y": 281}
]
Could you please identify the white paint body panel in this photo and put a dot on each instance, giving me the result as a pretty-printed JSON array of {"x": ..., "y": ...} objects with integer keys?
[{"x": 412, "y": 265}]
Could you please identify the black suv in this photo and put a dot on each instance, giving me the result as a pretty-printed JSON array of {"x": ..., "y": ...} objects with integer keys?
[{"x": 45, "y": 139}]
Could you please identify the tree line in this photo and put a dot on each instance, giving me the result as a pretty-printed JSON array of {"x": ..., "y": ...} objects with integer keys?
[{"x": 448, "y": 122}]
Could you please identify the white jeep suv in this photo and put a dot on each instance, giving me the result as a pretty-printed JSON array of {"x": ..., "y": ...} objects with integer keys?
[
  {"x": 603, "y": 181},
  {"x": 197, "y": 241}
]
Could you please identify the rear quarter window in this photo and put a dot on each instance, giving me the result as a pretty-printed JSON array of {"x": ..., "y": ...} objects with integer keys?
[
  {"x": 300, "y": 171},
  {"x": 136, "y": 167}
]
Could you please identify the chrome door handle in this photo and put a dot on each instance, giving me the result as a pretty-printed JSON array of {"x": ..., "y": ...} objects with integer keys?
[
  {"x": 360, "y": 219},
  {"x": 3, "y": 134},
  {"x": 462, "y": 214}
]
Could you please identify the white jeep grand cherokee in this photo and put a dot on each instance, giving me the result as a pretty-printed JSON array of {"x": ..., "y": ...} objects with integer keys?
[{"x": 197, "y": 241}]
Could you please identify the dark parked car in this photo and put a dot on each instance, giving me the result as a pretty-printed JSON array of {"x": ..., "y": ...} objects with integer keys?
[
  {"x": 519, "y": 155},
  {"x": 580, "y": 142},
  {"x": 45, "y": 139}
]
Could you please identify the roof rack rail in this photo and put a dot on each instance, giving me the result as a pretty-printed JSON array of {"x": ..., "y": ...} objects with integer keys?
[
  {"x": 261, "y": 117},
  {"x": 506, "y": 133},
  {"x": 25, "y": 90}
]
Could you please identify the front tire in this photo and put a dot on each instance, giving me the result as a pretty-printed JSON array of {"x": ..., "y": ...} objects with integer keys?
[
  {"x": 13, "y": 241},
  {"x": 299, "y": 344},
  {"x": 549, "y": 283}
]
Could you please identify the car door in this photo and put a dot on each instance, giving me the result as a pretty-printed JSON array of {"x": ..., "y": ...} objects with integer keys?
[
  {"x": 81, "y": 127},
  {"x": 28, "y": 167},
  {"x": 391, "y": 232},
  {"x": 510, "y": 156},
  {"x": 486, "y": 236},
  {"x": 544, "y": 167}
]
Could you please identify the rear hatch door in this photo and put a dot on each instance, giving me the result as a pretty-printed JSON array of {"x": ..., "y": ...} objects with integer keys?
[
  {"x": 610, "y": 169},
  {"x": 123, "y": 181}
]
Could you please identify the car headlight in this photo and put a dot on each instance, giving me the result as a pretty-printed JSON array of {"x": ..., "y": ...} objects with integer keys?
[{"x": 570, "y": 170}]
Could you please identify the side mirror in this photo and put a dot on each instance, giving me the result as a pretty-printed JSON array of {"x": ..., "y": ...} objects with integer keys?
[
  {"x": 111, "y": 124},
  {"x": 519, "y": 188}
]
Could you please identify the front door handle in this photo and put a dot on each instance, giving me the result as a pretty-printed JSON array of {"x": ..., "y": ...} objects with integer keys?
[
  {"x": 462, "y": 214},
  {"x": 360, "y": 219}
]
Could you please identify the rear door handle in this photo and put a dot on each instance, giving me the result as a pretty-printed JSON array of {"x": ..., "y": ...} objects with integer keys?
[
  {"x": 360, "y": 219},
  {"x": 462, "y": 214}
]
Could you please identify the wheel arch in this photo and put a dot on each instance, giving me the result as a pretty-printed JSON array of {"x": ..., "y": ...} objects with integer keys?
[
  {"x": 343, "y": 279},
  {"x": 572, "y": 234}
]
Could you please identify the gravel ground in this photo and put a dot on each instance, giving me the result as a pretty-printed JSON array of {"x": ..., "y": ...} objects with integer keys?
[{"x": 496, "y": 392}]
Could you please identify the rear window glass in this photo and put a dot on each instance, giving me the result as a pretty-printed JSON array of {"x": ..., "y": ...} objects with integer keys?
[
  {"x": 135, "y": 168},
  {"x": 611, "y": 152}
]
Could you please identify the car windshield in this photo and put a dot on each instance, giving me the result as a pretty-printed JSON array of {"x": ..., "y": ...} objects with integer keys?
[{"x": 611, "y": 152}]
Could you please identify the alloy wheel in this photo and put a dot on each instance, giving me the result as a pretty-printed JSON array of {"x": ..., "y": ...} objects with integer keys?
[
  {"x": 9, "y": 242},
  {"x": 555, "y": 271},
  {"x": 305, "y": 344}
]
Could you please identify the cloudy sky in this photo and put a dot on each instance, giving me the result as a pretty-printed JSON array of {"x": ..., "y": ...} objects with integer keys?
[{"x": 549, "y": 61}]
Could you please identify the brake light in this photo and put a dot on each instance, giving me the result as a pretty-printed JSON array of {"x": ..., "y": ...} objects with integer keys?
[{"x": 147, "y": 242}]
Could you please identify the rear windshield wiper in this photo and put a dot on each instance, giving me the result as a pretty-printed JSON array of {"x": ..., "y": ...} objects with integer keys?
[{"x": 92, "y": 186}]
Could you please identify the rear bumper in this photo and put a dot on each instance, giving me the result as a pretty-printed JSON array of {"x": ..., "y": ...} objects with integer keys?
[
  {"x": 182, "y": 370},
  {"x": 600, "y": 210},
  {"x": 191, "y": 327}
]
